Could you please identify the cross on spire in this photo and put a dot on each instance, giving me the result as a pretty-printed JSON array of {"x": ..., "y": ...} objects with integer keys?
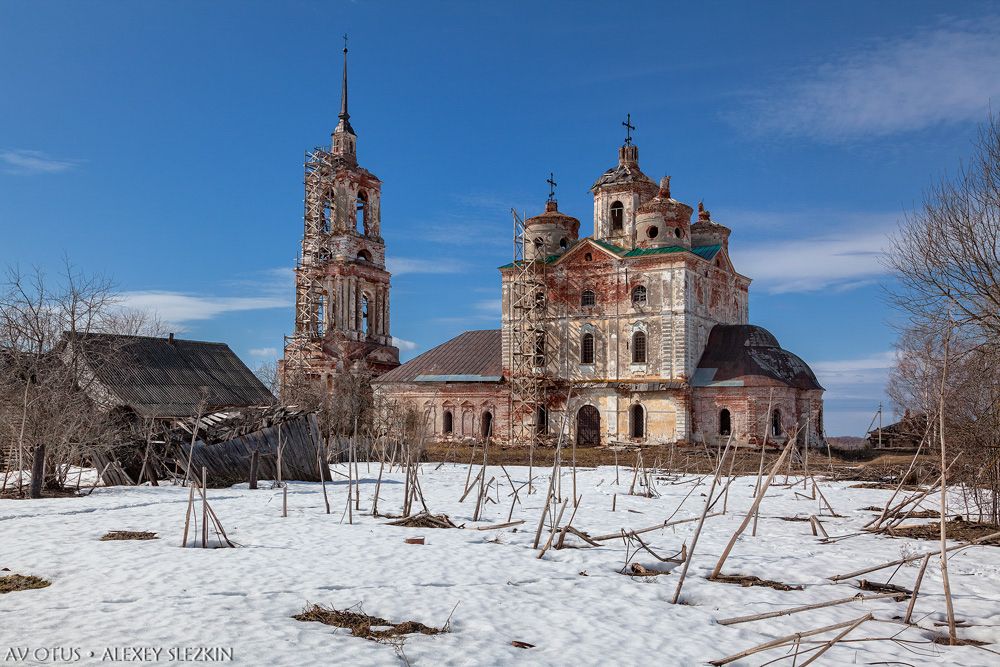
[
  {"x": 345, "y": 42},
  {"x": 552, "y": 186},
  {"x": 629, "y": 127}
]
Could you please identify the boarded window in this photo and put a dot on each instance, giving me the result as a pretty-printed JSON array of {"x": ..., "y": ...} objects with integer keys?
[
  {"x": 587, "y": 298},
  {"x": 639, "y": 347},
  {"x": 637, "y": 421},
  {"x": 725, "y": 422},
  {"x": 617, "y": 216},
  {"x": 449, "y": 422},
  {"x": 587, "y": 348},
  {"x": 639, "y": 295}
]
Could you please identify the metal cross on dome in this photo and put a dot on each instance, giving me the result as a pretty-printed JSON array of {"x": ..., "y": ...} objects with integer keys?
[
  {"x": 628, "y": 129},
  {"x": 345, "y": 42},
  {"x": 552, "y": 186}
]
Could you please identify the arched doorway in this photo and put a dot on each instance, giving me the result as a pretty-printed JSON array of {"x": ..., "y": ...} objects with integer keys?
[{"x": 588, "y": 426}]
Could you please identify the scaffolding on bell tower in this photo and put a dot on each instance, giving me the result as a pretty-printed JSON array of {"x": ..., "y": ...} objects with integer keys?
[{"x": 529, "y": 345}]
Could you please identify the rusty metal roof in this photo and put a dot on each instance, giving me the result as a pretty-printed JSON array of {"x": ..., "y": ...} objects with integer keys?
[
  {"x": 474, "y": 356},
  {"x": 160, "y": 377},
  {"x": 737, "y": 353}
]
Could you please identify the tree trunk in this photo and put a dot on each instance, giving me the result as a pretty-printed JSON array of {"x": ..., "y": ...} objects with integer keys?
[{"x": 37, "y": 472}]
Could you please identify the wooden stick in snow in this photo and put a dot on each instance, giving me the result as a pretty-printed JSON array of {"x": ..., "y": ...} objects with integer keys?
[
  {"x": 916, "y": 589},
  {"x": 806, "y": 607},
  {"x": 787, "y": 639}
]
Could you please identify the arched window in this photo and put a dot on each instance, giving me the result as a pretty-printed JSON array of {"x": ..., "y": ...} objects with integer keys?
[
  {"x": 539, "y": 348},
  {"x": 637, "y": 421},
  {"x": 587, "y": 348},
  {"x": 540, "y": 299},
  {"x": 366, "y": 321},
  {"x": 542, "y": 420},
  {"x": 538, "y": 244},
  {"x": 587, "y": 257},
  {"x": 564, "y": 243},
  {"x": 587, "y": 298},
  {"x": 449, "y": 422},
  {"x": 487, "y": 424},
  {"x": 320, "y": 323},
  {"x": 639, "y": 294},
  {"x": 776, "y": 422},
  {"x": 639, "y": 347},
  {"x": 327, "y": 218},
  {"x": 364, "y": 256},
  {"x": 678, "y": 233},
  {"x": 361, "y": 214},
  {"x": 617, "y": 216},
  {"x": 819, "y": 422},
  {"x": 725, "y": 422}
]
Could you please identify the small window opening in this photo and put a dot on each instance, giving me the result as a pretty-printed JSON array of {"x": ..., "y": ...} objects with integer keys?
[
  {"x": 587, "y": 349},
  {"x": 639, "y": 347},
  {"x": 361, "y": 214},
  {"x": 617, "y": 216},
  {"x": 539, "y": 348},
  {"x": 449, "y": 422},
  {"x": 725, "y": 422},
  {"x": 538, "y": 244},
  {"x": 588, "y": 257},
  {"x": 564, "y": 243},
  {"x": 487, "y": 424},
  {"x": 540, "y": 299},
  {"x": 776, "y": 423},
  {"x": 653, "y": 232},
  {"x": 678, "y": 233},
  {"x": 365, "y": 317},
  {"x": 639, "y": 295},
  {"x": 542, "y": 420},
  {"x": 364, "y": 256},
  {"x": 638, "y": 421},
  {"x": 587, "y": 298},
  {"x": 327, "y": 219}
]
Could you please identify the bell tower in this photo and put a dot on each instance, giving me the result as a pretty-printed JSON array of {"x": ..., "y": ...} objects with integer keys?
[
  {"x": 619, "y": 193},
  {"x": 341, "y": 283}
]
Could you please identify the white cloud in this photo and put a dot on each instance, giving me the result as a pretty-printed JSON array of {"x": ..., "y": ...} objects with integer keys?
[
  {"x": 489, "y": 307},
  {"x": 22, "y": 162},
  {"x": 845, "y": 257},
  {"x": 177, "y": 307},
  {"x": 857, "y": 378},
  {"x": 404, "y": 345},
  {"x": 399, "y": 266},
  {"x": 945, "y": 73},
  {"x": 264, "y": 352}
]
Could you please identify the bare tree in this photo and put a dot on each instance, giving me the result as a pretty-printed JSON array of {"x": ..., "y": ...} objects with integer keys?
[{"x": 946, "y": 260}]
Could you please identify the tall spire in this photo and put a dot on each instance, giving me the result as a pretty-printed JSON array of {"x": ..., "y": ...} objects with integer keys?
[{"x": 345, "y": 118}]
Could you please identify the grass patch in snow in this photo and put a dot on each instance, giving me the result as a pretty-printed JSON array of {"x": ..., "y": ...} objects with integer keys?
[
  {"x": 425, "y": 520},
  {"x": 362, "y": 625},
  {"x": 128, "y": 535},
  {"x": 958, "y": 529},
  {"x": 21, "y": 582}
]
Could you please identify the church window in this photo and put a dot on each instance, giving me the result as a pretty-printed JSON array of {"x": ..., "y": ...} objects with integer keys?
[
  {"x": 587, "y": 348},
  {"x": 364, "y": 256},
  {"x": 639, "y": 347},
  {"x": 725, "y": 422},
  {"x": 539, "y": 299},
  {"x": 321, "y": 316},
  {"x": 361, "y": 214},
  {"x": 776, "y": 423},
  {"x": 449, "y": 422},
  {"x": 540, "y": 348},
  {"x": 365, "y": 317},
  {"x": 617, "y": 216},
  {"x": 678, "y": 233},
  {"x": 587, "y": 298},
  {"x": 327, "y": 218},
  {"x": 637, "y": 419},
  {"x": 652, "y": 232},
  {"x": 564, "y": 243},
  {"x": 639, "y": 294},
  {"x": 487, "y": 424},
  {"x": 542, "y": 420},
  {"x": 588, "y": 257}
]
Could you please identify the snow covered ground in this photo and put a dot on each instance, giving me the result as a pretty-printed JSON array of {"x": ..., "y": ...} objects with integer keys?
[{"x": 573, "y": 604}]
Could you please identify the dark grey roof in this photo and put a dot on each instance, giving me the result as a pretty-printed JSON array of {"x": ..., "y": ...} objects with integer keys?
[
  {"x": 474, "y": 356},
  {"x": 160, "y": 377},
  {"x": 736, "y": 353}
]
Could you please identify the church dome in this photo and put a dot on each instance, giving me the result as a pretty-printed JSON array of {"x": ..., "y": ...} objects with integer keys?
[
  {"x": 550, "y": 233},
  {"x": 552, "y": 216},
  {"x": 662, "y": 220},
  {"x": 745, "y": 355}
]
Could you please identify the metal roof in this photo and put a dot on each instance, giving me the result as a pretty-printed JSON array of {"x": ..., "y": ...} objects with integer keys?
[
  {"x": 161, "y": 377},
  {"x": 706, "y": 252},
  {"x": 737, "y": 353},
  {"x": 474, "y": 356}
]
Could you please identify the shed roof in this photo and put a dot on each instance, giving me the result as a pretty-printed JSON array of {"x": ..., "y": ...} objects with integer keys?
[
  {"x": 474, "y": 356},
  {"x": 737, "y": 353},
  {"x": 161, "y": 377}
]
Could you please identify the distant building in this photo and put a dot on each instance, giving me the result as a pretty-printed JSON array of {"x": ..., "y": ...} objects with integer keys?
[{"x": 904, "y": 434}]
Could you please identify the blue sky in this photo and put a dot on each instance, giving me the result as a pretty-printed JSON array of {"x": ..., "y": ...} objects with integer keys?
[{"x": 162, "y": 143}]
